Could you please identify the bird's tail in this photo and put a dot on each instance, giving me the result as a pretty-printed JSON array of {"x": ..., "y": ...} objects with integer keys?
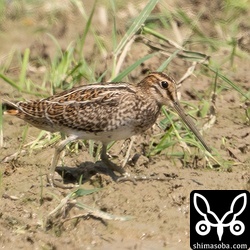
[{"x": 9, "y": 108}]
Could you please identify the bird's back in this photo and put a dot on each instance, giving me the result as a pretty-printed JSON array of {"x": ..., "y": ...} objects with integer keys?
[{"x": 89, "y": 111}]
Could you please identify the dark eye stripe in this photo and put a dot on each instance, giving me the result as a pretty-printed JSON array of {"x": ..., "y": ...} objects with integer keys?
[
  {"x": 169, "y": 93},
  {"x": 158, "y": 90}
]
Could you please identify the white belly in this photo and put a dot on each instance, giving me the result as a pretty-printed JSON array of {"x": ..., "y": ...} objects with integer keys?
[{"x": 108, "y": 136}]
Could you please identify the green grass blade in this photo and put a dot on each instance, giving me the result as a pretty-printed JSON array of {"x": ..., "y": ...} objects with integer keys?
[
  {"x": 192, "y": 23},
  {"x": 82, "y": 192},
  {"x": 170, "y": 46},
  {"x": 165, "y": 142},
  {"x": 59, "y": 49},
  {"x": 154, "y": 33},
  {"x": 18, "y": 87},
  {"x": 9, "y": 81},
  {"x": 24, "y": 67},
  {"x": 193, "y": 56},
  {"x": 75, "y": 69},
  {"x": 166, "y": 62},
  {"x": 132, "y": 67},
  {"x": 225, "y": 79},
  {"x": 114, "y": 34},
  {"x": 136, "y": 25},
  {"x": 87, "y": 28}
]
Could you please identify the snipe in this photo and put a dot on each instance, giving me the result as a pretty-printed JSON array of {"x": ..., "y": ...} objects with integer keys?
[{"x": 104, "y": 112}]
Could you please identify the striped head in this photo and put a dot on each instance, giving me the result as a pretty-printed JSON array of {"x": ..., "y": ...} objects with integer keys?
[{"x": 161, "y": 87}]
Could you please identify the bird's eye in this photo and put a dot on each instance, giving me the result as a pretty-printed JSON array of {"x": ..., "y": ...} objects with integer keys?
[{"x": 164, "y": 84}]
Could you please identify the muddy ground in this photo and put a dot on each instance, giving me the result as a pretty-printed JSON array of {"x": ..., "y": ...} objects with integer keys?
[{"x": 160, "y": 209}]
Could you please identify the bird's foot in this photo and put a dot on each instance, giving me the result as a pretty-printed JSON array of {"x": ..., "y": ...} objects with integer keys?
[
  {"x": 83, "y": 172},
  {"x": 54, "y": 183},
  {"x": 134, "y": 178},
  {"x": 127, "y": 177}
]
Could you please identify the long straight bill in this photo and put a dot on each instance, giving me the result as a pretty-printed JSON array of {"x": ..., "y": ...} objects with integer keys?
[{"x": 190, "y": 124}]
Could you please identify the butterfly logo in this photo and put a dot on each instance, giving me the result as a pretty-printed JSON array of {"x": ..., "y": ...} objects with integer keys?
[{"x": 203, "y": 227}]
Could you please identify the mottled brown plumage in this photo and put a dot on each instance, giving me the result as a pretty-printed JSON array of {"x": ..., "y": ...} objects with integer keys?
[{"x": 105, "y": 112}]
